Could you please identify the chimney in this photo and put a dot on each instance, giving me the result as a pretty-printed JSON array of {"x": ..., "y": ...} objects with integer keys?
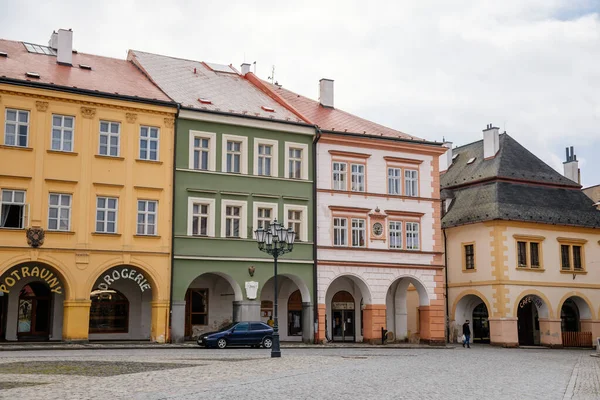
[
  {"x": 491, "y": 141},
  {"x": 53, "y": 42},
  {"x": 65, "y": 47},
  {"x": 571, "y": 166},
  {"x": 446, "y": 158},
  {"x": 245, "y": 68},
  {"x": 326, "y": 92}
]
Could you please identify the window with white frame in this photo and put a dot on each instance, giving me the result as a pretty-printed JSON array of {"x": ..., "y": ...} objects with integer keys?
[
  {"x": 358, "y": 177},
  {"x": 201, "y": 153},
  {"x": 264, "y": 216},
  {"x": 202, "y": 150},
  {"x": 59, "y": 212},
  {"x": 296, "y": 217},
  {"x": 201, "y": 217},
  {"x": 234, "y": 156},
  {"x": 339, "y": 176},
  {"x": 110, "y": 133},
  {"x": 359, "y": 233},
  {"x": 395, "y": 232},
  {"x": 233, "y": 216},
  {"x": 295, "y": 163},
  {"x": 412, "y": 236},
  {"x": 265, "y": 159},
  {"x": 394, "y": 180},
  {"x": 411, "y": 182},
  {"x": 146, "y": 218},
  {"x": 62, "y": 133},
  {"x": 294, "y": 222},
  {"x": 16, "y": 128},
  {"x": 106, "y": 214},
  {"x": 149, "y": 140},
  {"x": 234, "y": 219},
  {"x": 340, "y": 231},
  {"x": 13, "y": 209}
]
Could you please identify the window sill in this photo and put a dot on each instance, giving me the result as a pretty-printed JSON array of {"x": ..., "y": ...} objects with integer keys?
[
  {"x": 570, "y": 271},
  {"x": 66, "y": 153},
  {"x": 6, "y": 228},
  {"x": 147, "y": 236},
  {"x": 157, "y": 162},
  {"x": 9, "y": 147},
  {"x": 530, "y": 269},
  {"x": 106, "y": 234},
  {"x": 109, "y": 157},
  {"x": 468, "y": 271},
  {"x": 60, "y": 232}
]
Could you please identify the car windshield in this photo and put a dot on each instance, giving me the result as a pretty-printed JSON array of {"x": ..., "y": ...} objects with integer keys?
[{"x": 228, "y": 327}]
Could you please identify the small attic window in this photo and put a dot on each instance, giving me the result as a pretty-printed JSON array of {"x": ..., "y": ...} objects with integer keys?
[
  {"x": 3, "y": 54},
  {"x": 471, "y": 160},
  {"x": 454, "y": 157},
  {"x": 204, "y": 101},
  {"x": 32, "y": 75},
  {"x": 268, "y": 109},
  {"x": 84, "y": 66}
]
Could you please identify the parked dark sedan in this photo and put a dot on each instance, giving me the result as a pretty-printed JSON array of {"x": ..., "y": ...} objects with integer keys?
[{"x": 253, "y": 334}]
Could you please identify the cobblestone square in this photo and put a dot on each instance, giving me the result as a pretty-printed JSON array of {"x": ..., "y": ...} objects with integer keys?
[{"x": 302, "y": 373}]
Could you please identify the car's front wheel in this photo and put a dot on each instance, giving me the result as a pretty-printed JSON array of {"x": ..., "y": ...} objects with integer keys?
[
  {"x": 267, "y": 343},
  {"x": 221, "y": 343}
]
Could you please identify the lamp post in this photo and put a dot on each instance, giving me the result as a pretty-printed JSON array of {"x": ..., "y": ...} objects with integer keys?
[{"x": 276, "y": 241}]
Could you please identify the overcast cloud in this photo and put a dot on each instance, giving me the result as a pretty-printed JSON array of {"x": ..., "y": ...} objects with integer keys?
[{"x": 429, "y": 68}]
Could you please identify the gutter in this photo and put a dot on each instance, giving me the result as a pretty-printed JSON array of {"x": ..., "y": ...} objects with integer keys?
[
  {"x": 394, "y": 139},
  {"x": 315, "y": 230},
  {"x": 86, "y": 92},
  {"x": 173, "y": 221},
  {"x": 246, "y": 116}
]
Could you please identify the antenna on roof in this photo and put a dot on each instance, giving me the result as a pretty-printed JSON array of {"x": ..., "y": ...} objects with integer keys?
[
  {"x": 272, "y": 77},
  {"x": 254, "y": 67}
]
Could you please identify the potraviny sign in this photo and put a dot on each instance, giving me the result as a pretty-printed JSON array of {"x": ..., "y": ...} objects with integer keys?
[
  {"x": 123, "y": 273},
  {"x": 10, "y": 279}
]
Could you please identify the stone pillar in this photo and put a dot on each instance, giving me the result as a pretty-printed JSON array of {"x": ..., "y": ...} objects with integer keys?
[
  {"x": 373, "y": 321},
  {"x": 589, "y": 325},
  {"x": 177, "y": 322},
  {"x": 307, "y": 323},
  {"x": 503, "y": 332},
  {"x": 76, "y": 320},
  {"x": 160, "y": 321},
  {"x": 247, "y": 310},
  {"x": 550, "y": 332},
  {"x": 320, "y": 337},
  {"x": 432, "y": 324}
]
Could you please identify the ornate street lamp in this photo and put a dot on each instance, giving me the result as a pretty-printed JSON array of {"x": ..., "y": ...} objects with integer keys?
[{"x": 276, "y": 241}]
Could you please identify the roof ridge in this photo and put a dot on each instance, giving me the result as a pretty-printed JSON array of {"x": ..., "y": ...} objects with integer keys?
[
  {"x": 179, "y": 58},
  {"x": 260, "y": 84}
]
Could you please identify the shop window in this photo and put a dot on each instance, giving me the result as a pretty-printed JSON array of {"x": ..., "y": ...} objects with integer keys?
[
  {"x": 197, "y": 306},
  {"x": 295, "y": 314},
  {"x": 109, "y": 312}
]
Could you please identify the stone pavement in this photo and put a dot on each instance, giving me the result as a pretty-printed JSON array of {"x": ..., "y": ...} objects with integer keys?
[{"x": 327, "y": 373}]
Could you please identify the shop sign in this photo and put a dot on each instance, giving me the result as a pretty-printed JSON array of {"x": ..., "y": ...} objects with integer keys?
[
  {"x": 26, "y": 272},
  {"x": 124, "y": 273},
  {"x": 340, "y": 305},
  {"x": 528, "y": 299}
]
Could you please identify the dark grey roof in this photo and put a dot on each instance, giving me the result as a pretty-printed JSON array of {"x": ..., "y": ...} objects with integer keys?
[{"x": 512, "y": 161}]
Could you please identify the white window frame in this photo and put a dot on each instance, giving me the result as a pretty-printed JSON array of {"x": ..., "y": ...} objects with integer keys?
[
  {"x": 398, "y": 179},
  {"x": 106, "y": 210},
  {"x": 59, "y": 208},
  {"x": 146, "y": 213},
  {"x": 339, "y": 174},
  {"x": 303, "y": 234},
  {"x": 256, "y": 205},
  {"x": 62, "y": 128},
  {"x": 149, "y": 139},
  {"x": 360, "y": 177},
  {"x": 210, "y": 228},
  {"x": 108, "y": 135},
  {"x": 274, "y": 156},
  {"x": 363, "y": 230},
  {"x": 243, "y": 151},
  {"x": 344, "y": 228},
  {"x": 411, "y": 231},
  {"x": 398, "y": 233},
  {"x": 412, "y": 183},
  {"x": 16, "y": 124},
  {"x": 243, "y": 217},
  {"x": 212, "y": 149},
  {"x": 25, "y": 216},
  {"x": 304, "y": 170}
]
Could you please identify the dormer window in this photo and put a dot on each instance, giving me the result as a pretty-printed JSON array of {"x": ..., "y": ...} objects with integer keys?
[
  {"x": 268, "y": 109},
  {"x": 471, "y": 160}
]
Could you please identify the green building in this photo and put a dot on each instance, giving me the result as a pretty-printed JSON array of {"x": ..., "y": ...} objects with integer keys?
[{"x": 242, "y": 159}]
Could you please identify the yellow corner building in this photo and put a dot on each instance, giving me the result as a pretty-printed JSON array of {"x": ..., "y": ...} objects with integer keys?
[{"x": 86, "y": 196}]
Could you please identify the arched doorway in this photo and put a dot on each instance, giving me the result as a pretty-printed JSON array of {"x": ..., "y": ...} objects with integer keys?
[
  {"x": 343, "y": 317},
  {"x": 481, "y": 325},
  {"x": 294, "y": 308},
  {"x": 529, "y": 311},
  {"x": 569, "y": 317},
  {"x": 31, "y": 305},
  {"x": 576, "y": 322},
  {"x": 473, "y": 308},
  {"x": 404, "y": 299}
]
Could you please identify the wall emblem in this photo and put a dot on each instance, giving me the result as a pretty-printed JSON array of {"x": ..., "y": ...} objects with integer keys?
[
  {"x": 251, "y": 270},
  {"x": 35, "y": 236},
  {"x": 251, "y": 290}
]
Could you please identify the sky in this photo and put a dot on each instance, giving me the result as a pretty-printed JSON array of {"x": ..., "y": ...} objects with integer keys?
[{"x": 433, "y": 69}]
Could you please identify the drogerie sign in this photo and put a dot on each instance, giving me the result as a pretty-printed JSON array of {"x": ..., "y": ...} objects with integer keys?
[{"x": 123, "y": 273}]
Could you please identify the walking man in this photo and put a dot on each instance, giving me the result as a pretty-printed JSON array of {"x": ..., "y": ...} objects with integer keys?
[{"x": 467, "y": 334}]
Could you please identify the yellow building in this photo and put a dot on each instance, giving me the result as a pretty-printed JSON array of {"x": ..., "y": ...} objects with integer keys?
[{"x": 86, "y": 196}]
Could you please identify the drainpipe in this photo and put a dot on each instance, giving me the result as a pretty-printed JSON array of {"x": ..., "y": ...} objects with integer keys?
[
  {"x": 173, "y": 220},
  {"x": 315, "y": 297},
  {"x": 446, "y": 287}
]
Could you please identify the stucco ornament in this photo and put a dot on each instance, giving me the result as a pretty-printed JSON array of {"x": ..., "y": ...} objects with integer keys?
[
  {"x": 251, "y": 270},
  {"x": 41, "y": 106},
  {"x": 131, "y": 117},
  {"x": 251, "y": 290},
  {"x": 88, "y": 112},
  {"x": 35, "y": 236}
]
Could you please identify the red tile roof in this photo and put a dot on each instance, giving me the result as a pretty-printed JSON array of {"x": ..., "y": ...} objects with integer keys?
[
  {"x": 108, "y": 75},
  {"x": 333, "y": 119}
]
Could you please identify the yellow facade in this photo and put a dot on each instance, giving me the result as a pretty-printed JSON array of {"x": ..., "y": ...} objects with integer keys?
[{"x": 80, "y": 256}]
